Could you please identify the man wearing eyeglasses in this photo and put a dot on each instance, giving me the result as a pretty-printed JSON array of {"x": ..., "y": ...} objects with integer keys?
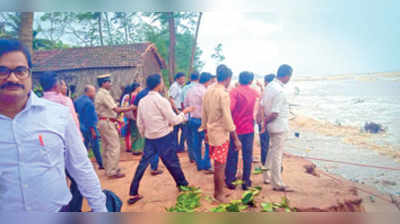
[{"x": 38, "y": 141}]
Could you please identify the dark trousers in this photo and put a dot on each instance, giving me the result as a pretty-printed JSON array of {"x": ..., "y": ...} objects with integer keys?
[
  {"x": 232, "y": 161},
  {"x": 189, "y": 141},
  {"x": 264, "y": 146},
  {"x": 203, "y": 163},
  {"x": 154, "y": 162},
  {"x": 93, "y": 143},
  {"x": 75, "y": 205},
  {"x": 179, "y": 145},
  {"x": 168, "y": 156}
]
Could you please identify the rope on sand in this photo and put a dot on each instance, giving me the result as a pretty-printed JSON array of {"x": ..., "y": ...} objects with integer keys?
[
  {"x": 351, "y": 163},
  {"x": 360, "y": 189},
  {"x": 345, "y": 162}
]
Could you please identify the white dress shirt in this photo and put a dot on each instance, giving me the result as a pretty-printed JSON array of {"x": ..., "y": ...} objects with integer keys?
[
  {"x": 274, "y": 100},
  {"x": 155, "y": 117},
  {"x": 35, "y": 149}
]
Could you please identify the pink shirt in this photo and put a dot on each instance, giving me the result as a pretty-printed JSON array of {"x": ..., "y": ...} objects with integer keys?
[
  {"x": 243, "y": 102},
  {"x": 194, "y": 98},
  {"x": 64, "y": 100}
]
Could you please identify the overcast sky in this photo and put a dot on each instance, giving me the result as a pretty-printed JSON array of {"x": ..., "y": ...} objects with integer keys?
[{"x": 336, "y": 38}]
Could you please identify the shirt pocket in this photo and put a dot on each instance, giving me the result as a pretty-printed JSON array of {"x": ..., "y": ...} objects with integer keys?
[{"x": 46, "y": 148}]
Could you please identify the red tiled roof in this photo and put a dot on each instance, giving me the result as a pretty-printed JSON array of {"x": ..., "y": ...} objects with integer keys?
[{"x": 91, "y": 57}]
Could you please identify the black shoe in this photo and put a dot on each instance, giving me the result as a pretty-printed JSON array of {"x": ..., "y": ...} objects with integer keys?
[
  {"x": 245, "y": 187},
  {"x": 136, "y": 153},
  {"x": 134, "y": 199},
  {"x": 231, "y": 186}
]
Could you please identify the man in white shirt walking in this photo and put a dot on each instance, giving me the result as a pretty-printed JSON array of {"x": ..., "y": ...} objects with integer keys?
[
  {"x": 155, "y": 121},
  {"x": 276, "y": 109}
]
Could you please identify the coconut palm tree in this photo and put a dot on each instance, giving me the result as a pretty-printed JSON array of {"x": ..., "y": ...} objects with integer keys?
[{"x": 25, "y": 29}]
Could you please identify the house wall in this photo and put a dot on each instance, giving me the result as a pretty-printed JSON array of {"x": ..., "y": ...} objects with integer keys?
[
  {"x": 150, "y": 64},
  {"x": 120, "y": 78}
]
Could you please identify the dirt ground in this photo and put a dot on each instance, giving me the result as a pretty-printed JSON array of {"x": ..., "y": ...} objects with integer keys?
[{"x": 312, "y": 192}]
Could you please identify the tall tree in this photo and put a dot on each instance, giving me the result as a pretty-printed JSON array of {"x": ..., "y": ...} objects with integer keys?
[
  {"x": 172, "y": 44},
  {"x": 25, "y": 29},
  {"x": 109, "y": 29},
  {"x": 53, "y": 25},
  {"x": 98, "y": 15},
  {"x": 9, "y": 23},
  {"x": 194, "y": 46},
  {"x": 85, "y": 28}
]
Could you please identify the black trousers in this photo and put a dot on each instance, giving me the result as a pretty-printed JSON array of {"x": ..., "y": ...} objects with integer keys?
[
  {"x": 180, "y": 145},
  {"x": 167, "y": 152},
  {"x": 75, "y": 205},
  {"x": 233, "y": 157}
]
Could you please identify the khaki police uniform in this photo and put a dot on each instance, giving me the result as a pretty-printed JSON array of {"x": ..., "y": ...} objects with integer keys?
[{"x": 107, "y": 126}]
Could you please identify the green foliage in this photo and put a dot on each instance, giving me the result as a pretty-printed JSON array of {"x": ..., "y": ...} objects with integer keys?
[
  {"x": 52, "y": 29},
  {"x": 257, "y": 171},
  {"x": 187, "y": 201},
  {"x": 249, "y": 195},
  {"x": 237, "y": 182},
  {"x": 218, "y": 54},
  {"x": 9, "y": 24},
  {"x": 46, "y": 44},
  {"x": 239, "y": 205},
  {"x": 184, "y": 41},
  {"x": 274, "y": 206},
  {"x": 233, "y": 206}
]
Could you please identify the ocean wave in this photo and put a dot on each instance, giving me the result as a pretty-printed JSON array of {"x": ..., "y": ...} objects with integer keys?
[{"x": 361, "y": 77}]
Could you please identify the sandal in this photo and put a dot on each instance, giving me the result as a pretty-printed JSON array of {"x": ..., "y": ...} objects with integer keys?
[{"x": 133, "y": 200}]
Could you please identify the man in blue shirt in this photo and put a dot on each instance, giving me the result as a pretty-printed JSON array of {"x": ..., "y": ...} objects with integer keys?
[
  {"x": 39, "y": 140},
  {"x": 86, "y": 110}
]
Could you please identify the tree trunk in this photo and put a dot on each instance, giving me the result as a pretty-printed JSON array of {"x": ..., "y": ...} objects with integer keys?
[
  {"x": 109, "y": 28},
  {"x": 126, "y": 26},
  {"x": 172, "y": 44},
  {"x": 195, "y": 43},
  {"x": 100, "y": 28},
  {"x": 25, "y": 29}
]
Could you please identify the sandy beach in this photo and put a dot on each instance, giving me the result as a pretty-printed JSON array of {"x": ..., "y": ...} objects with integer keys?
[
  {"x": 322, "y": 191},
  {"x": 333, "y": 186}
]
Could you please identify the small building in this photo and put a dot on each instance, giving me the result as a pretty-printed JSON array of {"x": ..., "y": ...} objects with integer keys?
[{"x": 80, "y": 66}]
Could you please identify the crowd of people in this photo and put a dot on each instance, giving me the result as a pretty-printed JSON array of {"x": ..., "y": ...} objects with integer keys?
[{"x": 45, "y": 142}]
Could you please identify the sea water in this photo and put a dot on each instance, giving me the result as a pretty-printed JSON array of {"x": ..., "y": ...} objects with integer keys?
[{"x": 352, "y": 100}]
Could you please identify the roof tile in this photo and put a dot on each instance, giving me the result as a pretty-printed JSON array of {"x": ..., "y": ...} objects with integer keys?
[{"x": 89, "y": 57}]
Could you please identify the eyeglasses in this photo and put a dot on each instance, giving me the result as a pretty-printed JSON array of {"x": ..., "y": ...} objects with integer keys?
[{"x": 20, "y": 72}]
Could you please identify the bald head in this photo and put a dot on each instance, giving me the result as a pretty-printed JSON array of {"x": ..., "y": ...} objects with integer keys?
[{"x": 90, "y": 91}]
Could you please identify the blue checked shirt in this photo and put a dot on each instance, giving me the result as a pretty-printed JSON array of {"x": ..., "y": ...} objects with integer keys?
[{"x": 35, "y": 149}]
